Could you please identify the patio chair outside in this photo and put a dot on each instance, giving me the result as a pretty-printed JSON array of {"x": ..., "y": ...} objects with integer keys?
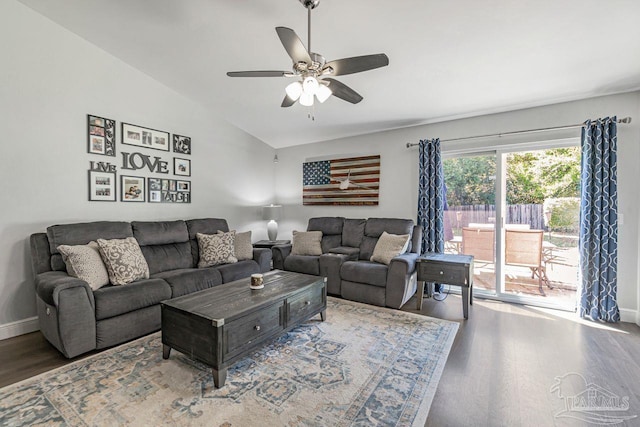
[
  {"x": 479, "y": 242},
  {"x": 523, "y": 248}
]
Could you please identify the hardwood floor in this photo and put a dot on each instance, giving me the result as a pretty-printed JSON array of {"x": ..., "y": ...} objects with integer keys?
[{"x": 502, "y": 366}]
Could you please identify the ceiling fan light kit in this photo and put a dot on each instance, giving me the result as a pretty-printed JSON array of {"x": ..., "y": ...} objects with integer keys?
[{"x": 312, "y": 71}]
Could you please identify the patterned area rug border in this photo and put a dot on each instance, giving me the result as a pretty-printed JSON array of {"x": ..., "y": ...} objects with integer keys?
[{"x": 380, "y": 366}]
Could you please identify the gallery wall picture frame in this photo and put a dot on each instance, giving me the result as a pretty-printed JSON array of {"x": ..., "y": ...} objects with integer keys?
[
  {"x": 102, "y": 186},
  {"x": 183, "y": 186},
  {"x": 155, "y": 190},
  {"x": 181, "y": 167},
  {"x": 181, "y": 144},
  {"x": 132, "y": 189},
  {"x": 145, "y": 137},
  {"x": 101, "y": 135}
]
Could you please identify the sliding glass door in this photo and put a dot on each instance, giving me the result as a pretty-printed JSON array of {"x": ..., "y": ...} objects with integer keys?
[{"x": 516, "y": 212}]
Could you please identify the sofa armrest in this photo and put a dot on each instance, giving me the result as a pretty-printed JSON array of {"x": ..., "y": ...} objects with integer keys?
[
  {"x": 263, "y": 257},
  {"x": 66, "y": 312},
  {"x": 352, "y": 254},
  {"x": 50, "y": 284},
  {"x": 330, "y": 265},
  {"x": 401, "y": 280},
  {"x": 280, "y": 252}
]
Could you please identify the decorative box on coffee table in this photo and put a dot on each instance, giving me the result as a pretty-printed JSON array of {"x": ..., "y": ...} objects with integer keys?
[{"x": 219, "y": 326}]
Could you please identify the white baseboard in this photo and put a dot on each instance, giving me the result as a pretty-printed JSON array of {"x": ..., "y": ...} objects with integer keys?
[
  {"x": 13, "y": 329},
  {"x": 628, "y": 315}
]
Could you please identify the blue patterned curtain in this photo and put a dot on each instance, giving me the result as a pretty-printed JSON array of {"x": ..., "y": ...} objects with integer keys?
[
  {"x": 431, "y": 196},
  {"x": 599, "y": 221}
]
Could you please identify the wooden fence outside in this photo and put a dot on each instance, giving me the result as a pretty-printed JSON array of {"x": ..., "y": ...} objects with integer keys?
[{"x": 462, "y": 216}]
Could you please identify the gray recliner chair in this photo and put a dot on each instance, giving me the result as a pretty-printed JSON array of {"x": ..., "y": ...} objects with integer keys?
[{"x": 347, "y": 246}]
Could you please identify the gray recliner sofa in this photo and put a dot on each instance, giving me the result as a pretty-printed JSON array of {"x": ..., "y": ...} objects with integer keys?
[
  {"x": 76, "y": 319},
  {"x": 347, "y": 246}
]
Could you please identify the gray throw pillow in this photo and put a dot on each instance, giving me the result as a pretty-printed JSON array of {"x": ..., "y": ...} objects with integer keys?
[
  {"x": 124, "y": 260},
  {"x": 216, "y": 249},
  {"x": 307, "y": 243},
  {"x": 85, "y": 263},
  {"x": 389, "y": 246},
  {"x": 243, "y": 249}
]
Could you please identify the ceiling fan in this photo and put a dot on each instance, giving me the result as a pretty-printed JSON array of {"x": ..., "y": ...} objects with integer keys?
[{"x": 312, "y": 72}]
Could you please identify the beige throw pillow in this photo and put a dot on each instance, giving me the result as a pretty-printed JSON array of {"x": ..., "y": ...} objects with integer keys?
[
  {"x": 85, "y": 263},
  {"x": 307, "y": 243},
  {"x": 389, "y": 246},
  {"x": 216, "y": 249},
  {"x": 124, "y": 260},
  {"x": 243, "y": 249}
]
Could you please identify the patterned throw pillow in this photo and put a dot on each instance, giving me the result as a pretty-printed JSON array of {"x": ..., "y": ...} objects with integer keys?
[
  {"x": 216, "y": 249},
  {"x": 389, "y": 246},
  {"x": 243, "y": 249},
  {"x": 124, "y": 260},
  {"x": 307, "y": 243},
  {"x": 85, "y": 263}
]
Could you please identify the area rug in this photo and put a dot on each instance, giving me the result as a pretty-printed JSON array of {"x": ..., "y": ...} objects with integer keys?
[{"x": 364, "y": 366}]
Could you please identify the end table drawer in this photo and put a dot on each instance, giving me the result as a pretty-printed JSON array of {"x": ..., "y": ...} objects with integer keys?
[
  {"x": 434, "y": 272},
  {"x": 302, "y": 305},
  {"x": 251, "y": 329}
]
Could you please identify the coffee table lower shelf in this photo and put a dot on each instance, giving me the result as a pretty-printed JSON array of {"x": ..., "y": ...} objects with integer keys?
[{"x": 221, "y": 325}]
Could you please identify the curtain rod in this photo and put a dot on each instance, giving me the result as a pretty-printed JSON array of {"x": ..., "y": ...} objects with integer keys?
[{"x": 519, "y": 132}]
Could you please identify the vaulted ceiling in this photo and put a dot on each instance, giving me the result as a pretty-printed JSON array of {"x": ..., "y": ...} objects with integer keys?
[{"x": 448, "y": 59}]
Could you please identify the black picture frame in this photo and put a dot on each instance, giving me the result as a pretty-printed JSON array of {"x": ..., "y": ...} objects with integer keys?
[
  {"x": 102, "y": 186},
  {"x": 181, "y": 167},
  {"x": 132, "y": 189},
  {"x": 162, "y": 190},
  {"x": 101, "y": 135},
  {"x": 181, "y": 144},
  {"x": 154, "y": 188},
  {"x": 140, "y": 136}
]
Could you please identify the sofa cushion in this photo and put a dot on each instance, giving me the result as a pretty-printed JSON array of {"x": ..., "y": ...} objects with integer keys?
[
  {"x": 216, "y": 249},
  {"x": 115, "y": 300},
  {"x": 239, "y": 270},
  {"x": 306, "y": 243},
  {"x": 353, "y": 232},
  {"x": 243, "y": 249},
  {"x": 368, "y": 272},
  {"x": 204, "y": 226},
  {"x": 331, "y": 228},
  {"x": 81, "y": 234},
  {"x": 84, "y": 262},
  {"x": 389, "y": 246},
  {"x": 303, "y": 264},
  {"x": 374, "y": 229},
  {"x": 124, "y": 260},
  {"x": 171, "y": 256},
  {"x": 187, "y": 280},
  {"x": 160, "y": 232}
]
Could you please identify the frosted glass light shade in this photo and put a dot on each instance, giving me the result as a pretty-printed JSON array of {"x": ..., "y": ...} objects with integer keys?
[
  {"x": 294, "y": 90},
  {"x": 323, "y": 93},
  {"x": 310, "y": 85},
  {"x": 306, "y": 99}
]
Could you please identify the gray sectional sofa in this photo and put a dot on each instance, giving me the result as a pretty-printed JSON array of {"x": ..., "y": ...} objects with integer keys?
[
  {"x": 76, "y": 319},
  {"x": 347, "y": 246}
]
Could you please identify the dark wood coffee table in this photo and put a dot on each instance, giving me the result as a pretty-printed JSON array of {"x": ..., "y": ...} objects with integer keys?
[{"x": 220, "y": 325}]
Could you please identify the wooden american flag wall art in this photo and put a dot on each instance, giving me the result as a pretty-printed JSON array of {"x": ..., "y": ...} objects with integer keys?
[{"x": 349, "y": 181}]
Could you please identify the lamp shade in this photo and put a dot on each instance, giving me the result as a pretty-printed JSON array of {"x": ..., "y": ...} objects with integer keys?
[{"x": 272, "y": 212}]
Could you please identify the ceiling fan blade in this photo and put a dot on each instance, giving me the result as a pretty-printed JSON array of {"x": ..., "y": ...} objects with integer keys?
[
  {"x": 293, "y": 45},
  {"x": 287, "y": 102},
  {"x": 257, "y": 73},
  {"x": 357, "y": 64},
  {"x": 343, "y": 91}
]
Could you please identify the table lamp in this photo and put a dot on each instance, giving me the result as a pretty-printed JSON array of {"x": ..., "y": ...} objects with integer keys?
[{"x": 272, "y": 213}]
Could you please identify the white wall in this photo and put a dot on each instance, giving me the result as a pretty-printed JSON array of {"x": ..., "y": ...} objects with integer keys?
[
  {"x": 50, "y": 79},
  {"x": 399, "y": 169}
]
